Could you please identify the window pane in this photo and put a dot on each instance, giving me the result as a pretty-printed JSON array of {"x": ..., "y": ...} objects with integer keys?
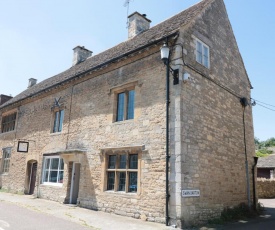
[
  {"x": 121, "y": 182},
  {"x": 46, "y": 174},
  {"x": 205, "y": 61},
  {"x": 199, "y": 52},
  {"x": 133, "y": 161},
  {"x": 199, "y": 47},
  {"x": 54, "y": 164},
  {"x": 112, "y": 162},
  {"x": 120, "y": 106},
  {"x": 110, "y": 181},
  {"x": 122, "y": 161},
  {"x": 205, "y": 56},
  {"x": 60, "y": 179},
  {"x": 61, "y": 118},
  {"x": 131, "y": 104},
  {"x": 53, "y": 176},
  {"x": 55, "y": 127},
  {"x": 132, "y": 182},
  {"x": 61, "y": 164},
  {"x": 47, "y": 163}
]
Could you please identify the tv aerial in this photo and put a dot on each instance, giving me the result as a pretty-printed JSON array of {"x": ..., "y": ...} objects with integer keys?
[{"x": 126, "y": 4}]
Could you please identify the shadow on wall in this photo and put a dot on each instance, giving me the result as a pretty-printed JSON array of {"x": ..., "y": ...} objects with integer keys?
[{"x": 80, "y": 184}]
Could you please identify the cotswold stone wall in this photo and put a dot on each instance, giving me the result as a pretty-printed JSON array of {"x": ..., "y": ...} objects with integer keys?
[
  {"x": 206, "y": 130},
  {"x": 266, "y": 188},
  {"x": 209, "y": 148},
  {"x": 89, "y": 106}
]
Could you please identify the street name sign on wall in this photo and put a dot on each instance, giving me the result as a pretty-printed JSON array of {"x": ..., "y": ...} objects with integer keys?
[{"x": 190, "y": 193}]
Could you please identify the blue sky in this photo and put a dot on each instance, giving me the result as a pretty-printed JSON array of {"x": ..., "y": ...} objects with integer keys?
[{"x": 37, "y": 38}]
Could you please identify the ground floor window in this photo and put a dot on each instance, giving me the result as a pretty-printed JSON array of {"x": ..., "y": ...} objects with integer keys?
[
  {"x": 122, "y": 172},
  {"x": 6, "y": 160},
  {"x": 53, "y": 170}
]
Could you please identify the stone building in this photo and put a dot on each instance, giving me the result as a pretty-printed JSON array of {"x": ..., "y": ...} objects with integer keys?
[{"x": 95, "y": 134}]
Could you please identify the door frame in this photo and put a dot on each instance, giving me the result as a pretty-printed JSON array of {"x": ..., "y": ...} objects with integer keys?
[
  {"x": 31, "y": 164},
  {"x": 72, "y": 181}
]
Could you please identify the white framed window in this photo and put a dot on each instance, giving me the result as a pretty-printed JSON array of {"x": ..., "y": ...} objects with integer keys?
[
  {"x": 202, "y": 53},
  {"x": 6, "y": 160},
  {"x": 53, "y": 170}
]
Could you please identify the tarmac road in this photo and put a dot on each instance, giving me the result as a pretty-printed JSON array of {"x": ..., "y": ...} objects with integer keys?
[
  {"x": 22, "y": 212},
  {"x": 13, "y": 217}
]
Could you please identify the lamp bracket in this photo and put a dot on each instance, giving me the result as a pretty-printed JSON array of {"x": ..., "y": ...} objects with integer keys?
[{"x": 175, "y": 73}]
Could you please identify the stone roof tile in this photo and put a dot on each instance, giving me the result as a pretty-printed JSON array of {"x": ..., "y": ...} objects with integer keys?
[{"x": 266, "y": 162}]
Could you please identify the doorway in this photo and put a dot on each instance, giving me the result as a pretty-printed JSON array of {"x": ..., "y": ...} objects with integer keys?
[
  {"x": 32, "y": 166},
  {"x": 75, "y": 183}
]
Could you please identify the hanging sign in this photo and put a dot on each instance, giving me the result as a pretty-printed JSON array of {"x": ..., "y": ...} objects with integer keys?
[{"x": 23, "y": 146}]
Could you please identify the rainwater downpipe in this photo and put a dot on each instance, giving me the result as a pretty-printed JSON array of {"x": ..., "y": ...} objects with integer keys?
[
  {"x": 167, "y": 142},
  {"x": 254, "y": 184},
  {"x": 244, "y": 103}
]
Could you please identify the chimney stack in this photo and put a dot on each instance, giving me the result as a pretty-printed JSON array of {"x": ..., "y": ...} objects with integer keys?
[
  {"x": 80, "y": 54},
  {"x": 138, "y": 23},
  {"x": 32, "y": 82},
  {"x": 4, "y": 98}
]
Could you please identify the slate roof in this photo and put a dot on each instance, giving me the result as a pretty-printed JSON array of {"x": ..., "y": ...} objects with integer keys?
[
  {"x": 266, "y": 162},
  {"x": 154, "y": 34}
]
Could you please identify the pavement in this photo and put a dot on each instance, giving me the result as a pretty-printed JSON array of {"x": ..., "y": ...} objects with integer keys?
[
  {"x": 94, "y": 220},
  {"x": 97, "y": 220}
]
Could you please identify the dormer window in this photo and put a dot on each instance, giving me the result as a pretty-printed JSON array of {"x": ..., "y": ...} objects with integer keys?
[{"x": 202, "y": 53}]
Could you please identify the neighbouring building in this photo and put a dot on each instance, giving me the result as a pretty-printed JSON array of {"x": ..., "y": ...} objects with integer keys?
[
  {"x": 266, "y": 167},
  {"x": 95, "y": 134}
]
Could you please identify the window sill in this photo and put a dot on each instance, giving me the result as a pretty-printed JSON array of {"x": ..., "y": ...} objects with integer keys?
[
  {"x": 206, "y": 67},
  {"x": 56, "y": 134},
  {"x": 124, "y": 194},
  {"x": 9, "y": 132},
  {"x": 4, "y": 174},
  {"x": 123, "y": 122},
  {"x": 52, "y": 184}
]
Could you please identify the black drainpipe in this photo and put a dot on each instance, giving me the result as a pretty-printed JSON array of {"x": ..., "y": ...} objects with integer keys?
[
  {"x": 167, "y": 138},
  {"x": 254, "y": 184},
  {"x": 244, "y": 103}
]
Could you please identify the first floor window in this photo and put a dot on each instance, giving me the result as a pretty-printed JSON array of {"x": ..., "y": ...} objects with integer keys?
[
  {"x": 8, "y": 122},
  {"x": 125, "y": 105},
  {"x": 202, "y": 53},
  {"x": 58, "y": 121},
  {"x": 6, "y": 160},
  {"x": 122, "y": 172},
  {"x": 53, "y": 170}
]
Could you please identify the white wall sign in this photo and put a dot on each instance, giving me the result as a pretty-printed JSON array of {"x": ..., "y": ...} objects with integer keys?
[
  {"x": 23, "y": 146},
  {"x": 190, "y": 193}
]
